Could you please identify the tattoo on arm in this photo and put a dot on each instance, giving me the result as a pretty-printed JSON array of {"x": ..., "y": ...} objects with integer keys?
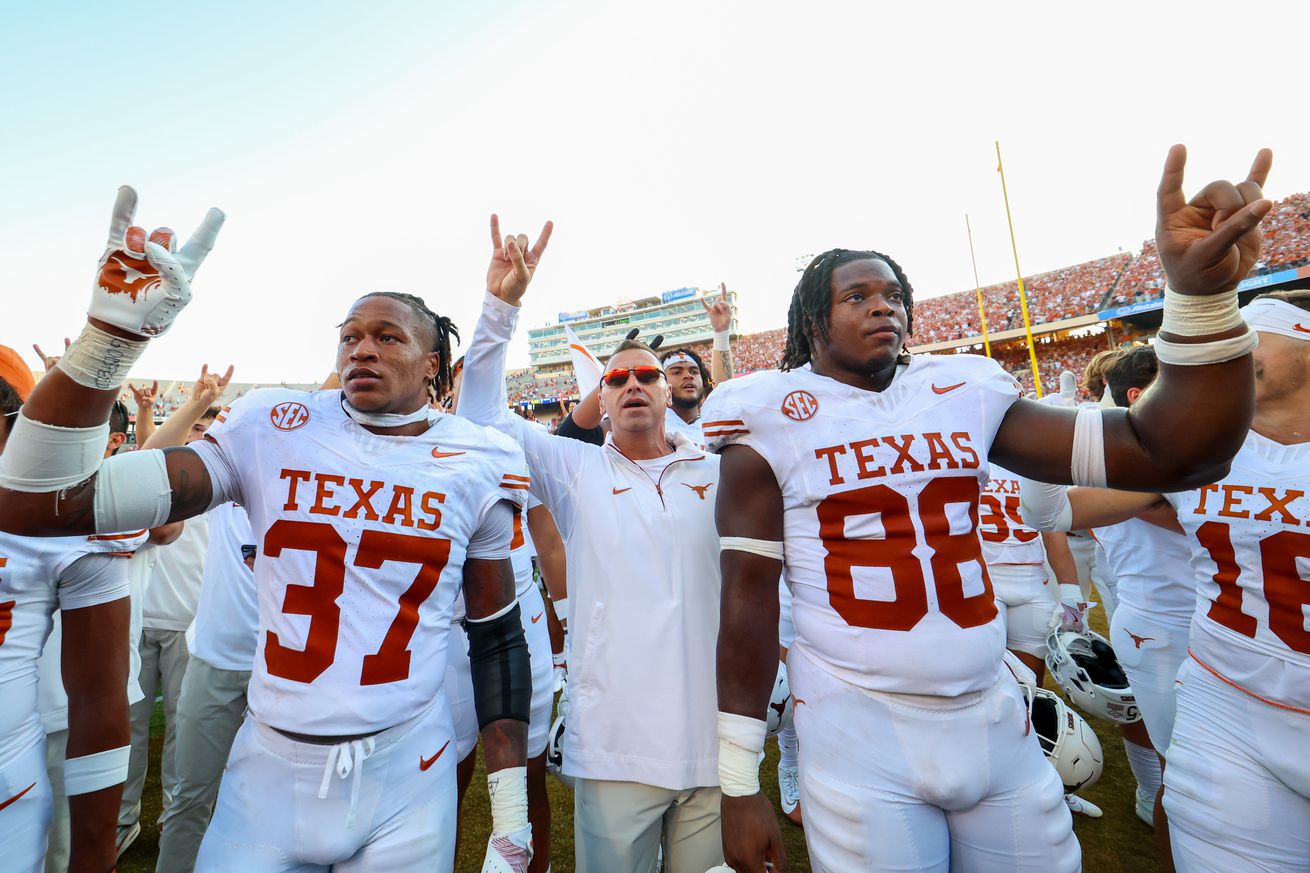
[{"x": 725, "y": 360}]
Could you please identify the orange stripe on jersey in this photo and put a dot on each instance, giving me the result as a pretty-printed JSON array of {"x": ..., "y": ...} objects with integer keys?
[
  {"x": 512, "y": 485},
  {"x": 6, "y": 618},
  {"x": 719, "y": 433},
  {"x": 122, "y": 536},
  {"x": 726, "y": 421},
  {"x": 516, "y": 478},
  {"x": 1224, "y": 679}
]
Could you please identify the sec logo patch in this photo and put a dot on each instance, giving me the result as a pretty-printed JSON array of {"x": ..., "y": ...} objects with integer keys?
[
  {"x": 800, "y": 406},
  {"x": 288, "y": 416}
]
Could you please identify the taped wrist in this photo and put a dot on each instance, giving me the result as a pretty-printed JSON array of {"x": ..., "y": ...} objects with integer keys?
[
  {"x": 42, "y": 457},
  {"x": 741, "y": 740},
  {"x": 501, "y": 667},
  {"x": 721, "y": 341},
  {"x": 508, "y": 789},
  {"x": 100, "y": 360},
  {"x": 1186, "y": 315}
]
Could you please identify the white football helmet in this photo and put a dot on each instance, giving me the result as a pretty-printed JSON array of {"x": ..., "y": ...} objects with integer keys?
[
  {"x": 780, "y": 703},
  {"x": 1067, "y": 740},
  {"x": 1086, "y": 668}
]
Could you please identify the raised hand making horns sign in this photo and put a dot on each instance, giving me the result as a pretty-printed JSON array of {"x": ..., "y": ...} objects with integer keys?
[
  {"x": 1209, "y": 243},
  {"x": 513, "y": 263}
]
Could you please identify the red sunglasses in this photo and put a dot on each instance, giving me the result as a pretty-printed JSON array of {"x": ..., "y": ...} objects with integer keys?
[{"x": 618, "y": 377}]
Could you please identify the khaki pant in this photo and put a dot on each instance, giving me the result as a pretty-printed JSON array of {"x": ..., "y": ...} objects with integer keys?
[
  {"x": 620, "y": 826},
  {"x": 164, "y": 659},
  {"x": 209, "y": 712}
]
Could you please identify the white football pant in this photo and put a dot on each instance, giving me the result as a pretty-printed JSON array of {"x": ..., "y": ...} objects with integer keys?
[
  {"x": 1025, "y": 601},
  {"x": 383, "y": 809},
  {"x": 25, "y": 808},
  {"x": 1150, "y": 651},
  {"x": 898, "y": 782},
  {"x": 1237, "y": 788}
]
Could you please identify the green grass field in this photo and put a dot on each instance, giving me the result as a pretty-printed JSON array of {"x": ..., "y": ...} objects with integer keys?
[{"x": 1117, "y": 843}]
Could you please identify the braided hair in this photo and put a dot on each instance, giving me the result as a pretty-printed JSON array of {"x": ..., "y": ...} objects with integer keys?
[
  {"x": 811, "y": 302},
  {"x": 442, "y": 331}
]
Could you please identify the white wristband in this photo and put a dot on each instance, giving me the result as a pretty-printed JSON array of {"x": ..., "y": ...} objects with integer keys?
[
  {"x": 561, "y": 609},
  {"x": 721, "y": 343},
  {"x": 509, "y": 800},
  {"x": 100, "y": 360},
  {"x": 42, "y": 457},
  {"x": 96, "y": 771},
  {"x": 741, "y": 740},
  {"x": 1213, "y": 352}
]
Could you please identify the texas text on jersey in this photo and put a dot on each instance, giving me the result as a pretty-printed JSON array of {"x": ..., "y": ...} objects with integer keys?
[
  {"x": 880, "y": 501},
  {"x": 362, "y": 546},
  {"x": 1250, "y": 541}
]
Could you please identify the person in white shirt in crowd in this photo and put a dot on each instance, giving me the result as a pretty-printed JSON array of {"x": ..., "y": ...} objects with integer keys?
[
  {"x": 168, "y": 607},
  {"x": 222, "y": 642},
  {"x": 690, "y": 382},
  {"x": 637, "y": 519}
]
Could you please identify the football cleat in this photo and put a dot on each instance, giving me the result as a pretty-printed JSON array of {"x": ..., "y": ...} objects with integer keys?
[
  {"x": 1066, "y": 738},
  {"x": 789, "y": 791},
  {"x": 780, "y": 703},
  {"x": 1079, "y": 806},
  {"x": 1087, "y": 670},
  {"x": 1145, "y": 808}
]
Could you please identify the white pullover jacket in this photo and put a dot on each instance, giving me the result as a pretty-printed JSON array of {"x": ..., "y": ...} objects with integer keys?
[{"x": 643, "y": 580}]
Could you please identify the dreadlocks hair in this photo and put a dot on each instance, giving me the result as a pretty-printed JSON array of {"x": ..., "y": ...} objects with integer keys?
[
  {"x": 811, "y": 302},
  {"x": 442, "y": 330},
  {"x": 683, "y": 350}
]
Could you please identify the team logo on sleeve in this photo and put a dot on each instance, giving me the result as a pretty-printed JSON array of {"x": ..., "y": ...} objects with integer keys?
[
  {"x": 800, "y": 406},
  {"x": 288, "y": 416}
]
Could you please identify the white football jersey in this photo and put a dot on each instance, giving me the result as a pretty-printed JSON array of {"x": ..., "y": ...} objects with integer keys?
[
  {"x": 362, "y": 544},
  {"x": 32, "y": 588},
  {"x": 1005, "y": 538},
  {"x": 693, "y": 431},
  {"x": 1152, "y": 570},
  {"x": 225, "y": 632},
  {"x": 880, "y": 500},
  {"x": 1250, "y": 542}
]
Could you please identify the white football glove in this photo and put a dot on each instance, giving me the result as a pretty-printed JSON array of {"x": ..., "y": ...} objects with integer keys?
[
  {"x": 1071, "y": 614},
  {"x": 141, "y": 285},
  {"x": 560, "y": 677},
  {"x": 509, "y": 853}
]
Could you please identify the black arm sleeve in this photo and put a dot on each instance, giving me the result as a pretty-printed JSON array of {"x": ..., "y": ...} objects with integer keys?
[
  {"x": 501, "y": 668},
  {"x": 567, "y": 428}
]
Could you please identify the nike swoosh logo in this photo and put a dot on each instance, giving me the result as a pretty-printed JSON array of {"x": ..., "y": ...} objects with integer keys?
[
  {"x": 425, "y": 763},
  {"x": 620, "y": 490},
  {"x": 537, "y": 617},
  {"x": 1301, "y": 327},
  {"x": 438, "y": 453},
  {"x": 18, "y": 795},
  {"x": 947, "y": 389}
]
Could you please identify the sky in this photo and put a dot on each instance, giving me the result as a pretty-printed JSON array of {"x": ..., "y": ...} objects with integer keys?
[{"x": 359, "y": 147}]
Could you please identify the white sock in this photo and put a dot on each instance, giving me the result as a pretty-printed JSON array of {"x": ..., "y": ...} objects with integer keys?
[
  {"x": 788, "y": 746},
  {"x": 1146, "y": 767}
]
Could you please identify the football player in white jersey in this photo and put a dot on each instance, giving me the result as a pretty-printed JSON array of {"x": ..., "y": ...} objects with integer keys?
[
  {"x": 1237, "y": 784},
  {"x": 914, "y": 754},
  {"x": 89, "y": 589},
  {"x": 371, "y": 512}
]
